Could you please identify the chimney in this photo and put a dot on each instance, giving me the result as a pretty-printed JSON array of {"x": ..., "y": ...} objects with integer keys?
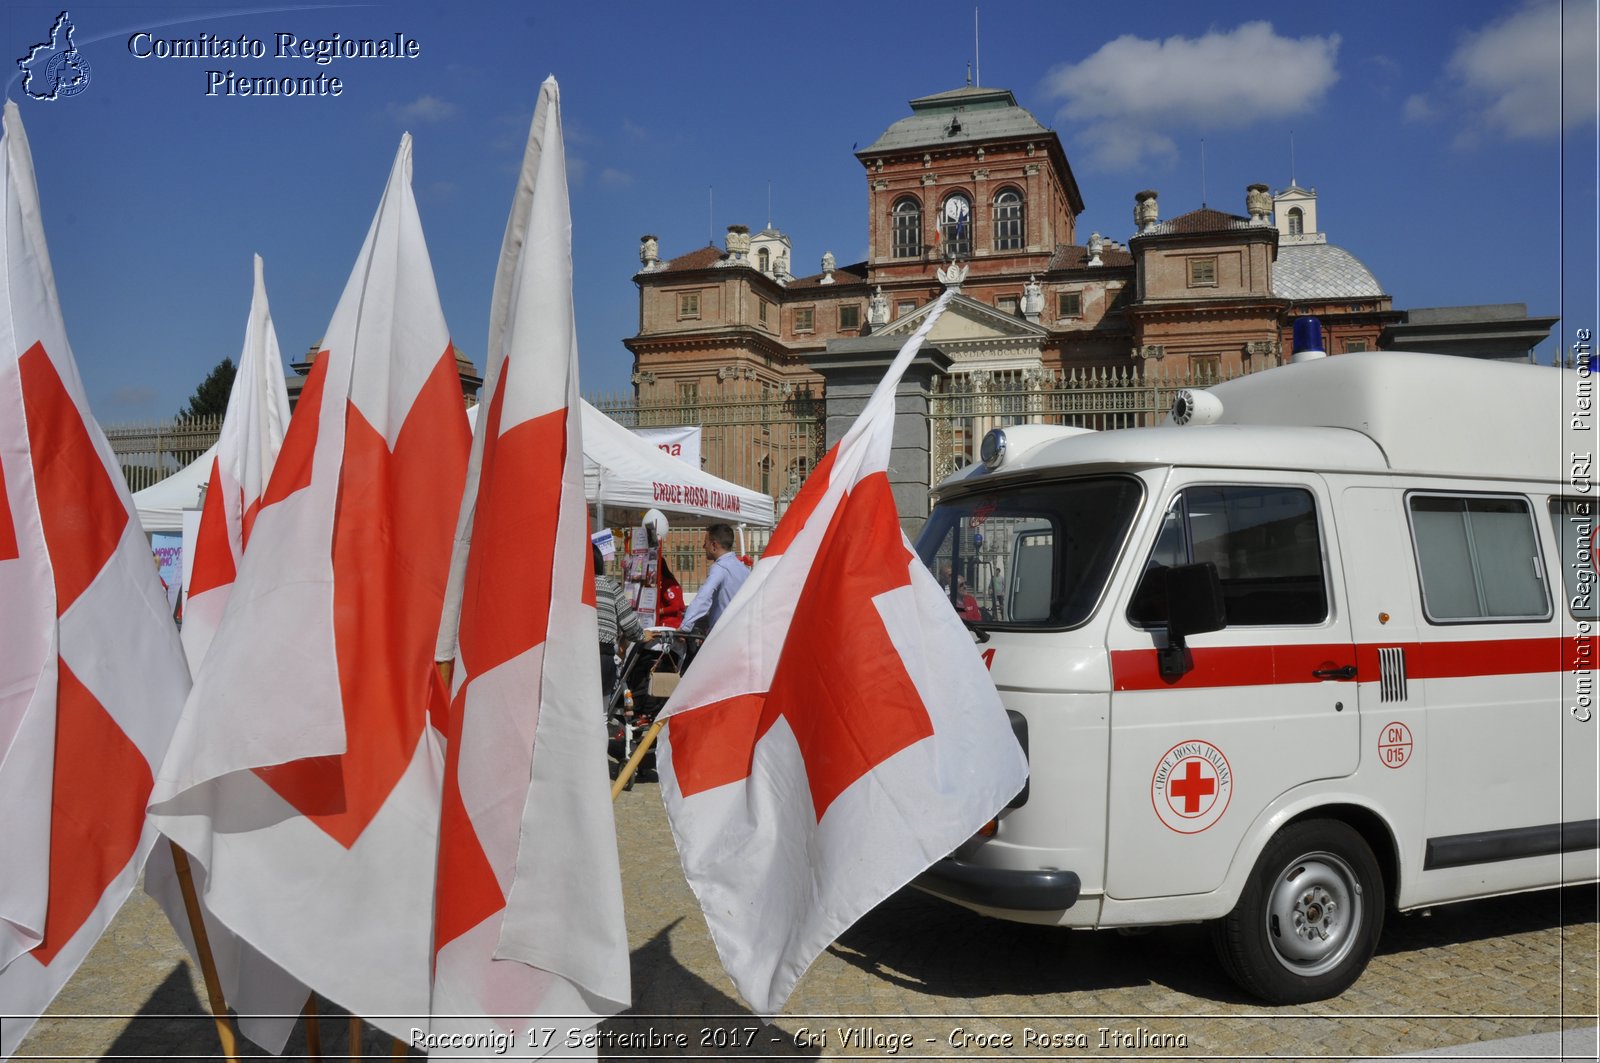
[
  {"x": 649, "y": 252},
  {"x": 1258, "y": 203},
  {"x": 1145, "y": 212}
]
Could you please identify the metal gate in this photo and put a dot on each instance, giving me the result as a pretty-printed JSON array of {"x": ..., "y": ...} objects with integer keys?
[{"x": 963, "y": 407}]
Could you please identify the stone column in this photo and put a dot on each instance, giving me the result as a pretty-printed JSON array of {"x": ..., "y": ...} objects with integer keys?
[{"x": 850, "y": 370}]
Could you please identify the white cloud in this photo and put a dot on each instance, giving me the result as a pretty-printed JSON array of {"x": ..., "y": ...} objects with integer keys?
[
  {"x": 615, "y": 178},
  {"x": 1126, "y": 147},
  {"x": 1132, "y": 93},
  {"x": 1515, "y": 70},
  {"x": 1417, "y": 108},
  {"x": 424, "y": 108}
]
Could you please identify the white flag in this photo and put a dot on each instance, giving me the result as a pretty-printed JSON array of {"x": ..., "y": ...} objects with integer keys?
[
  {"x": 529, "y": 911},
  {"x": 248, "y": 444},
  {"x": 265, "y": 997},
  {"x": 838, "y": 732},
  {"x": 91, "y": 672},
  {"x": 304, "y": 775}
]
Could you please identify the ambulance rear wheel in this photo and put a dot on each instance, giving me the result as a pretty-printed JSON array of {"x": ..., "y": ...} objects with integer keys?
[{"x": 1309, "y": 918}]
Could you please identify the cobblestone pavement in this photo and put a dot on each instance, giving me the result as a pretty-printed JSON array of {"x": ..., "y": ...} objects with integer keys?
[{"x": 918, "y": 978}]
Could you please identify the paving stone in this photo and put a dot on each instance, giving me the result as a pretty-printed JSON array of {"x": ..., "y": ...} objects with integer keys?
[{"x": 919, "y": 967}]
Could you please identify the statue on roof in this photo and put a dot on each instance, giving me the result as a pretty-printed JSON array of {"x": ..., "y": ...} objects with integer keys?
[
  {"x": 878, "y": 309},
  {"x": 1032, "y": 298}
]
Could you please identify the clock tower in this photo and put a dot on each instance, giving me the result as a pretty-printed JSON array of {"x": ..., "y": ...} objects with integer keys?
[{"x": 970, "y": 175}]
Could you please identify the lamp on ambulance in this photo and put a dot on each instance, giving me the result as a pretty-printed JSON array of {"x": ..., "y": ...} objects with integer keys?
[
  {"x": 992, "y": 451},
  {"x": 1307, "y": 340},
  {"x": 1193, "y": 406}
]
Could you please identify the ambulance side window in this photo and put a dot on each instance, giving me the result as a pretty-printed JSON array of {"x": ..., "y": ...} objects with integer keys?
[
  {"x": 1479, "y": 559},
  {"x": 1265, "y": 544},
  {"x": 1573, "y": 520}
]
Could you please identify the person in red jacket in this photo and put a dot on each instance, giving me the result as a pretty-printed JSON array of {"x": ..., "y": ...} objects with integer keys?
[{"x": 669, "y": 605}]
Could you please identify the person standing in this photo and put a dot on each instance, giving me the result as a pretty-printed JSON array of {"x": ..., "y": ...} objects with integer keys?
[
  {"x": 669, "y": 603},
  {"x": 727, "y": 575},
  {"x": 616, "y": 617}
]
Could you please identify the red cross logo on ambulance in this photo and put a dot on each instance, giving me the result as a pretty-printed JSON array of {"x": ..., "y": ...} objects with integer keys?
[{"x": 1191, "y": 787}]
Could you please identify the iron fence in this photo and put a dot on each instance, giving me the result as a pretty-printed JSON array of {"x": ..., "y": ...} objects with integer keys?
[
  {"x": 964, "y": 407},
  {"x": 149, "y": 453}
]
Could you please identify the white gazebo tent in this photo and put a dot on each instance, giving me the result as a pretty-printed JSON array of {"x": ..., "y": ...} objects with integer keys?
[
  {"x": 622, "y": 471},
  {"x": 161, "y": 505}
]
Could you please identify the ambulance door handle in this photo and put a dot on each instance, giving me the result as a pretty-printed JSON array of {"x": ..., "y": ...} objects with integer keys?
[{"x": 1347, "y": 672}]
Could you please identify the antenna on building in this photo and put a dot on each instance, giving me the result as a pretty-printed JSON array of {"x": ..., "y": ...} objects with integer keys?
[
  {"x": 769, "y": 202},
  {"x": 1202, "y": 171},
  {"x": 977, "y": 64},
  {"x": 1291, "y": 158},
  {"x": 711, "y": 215}
]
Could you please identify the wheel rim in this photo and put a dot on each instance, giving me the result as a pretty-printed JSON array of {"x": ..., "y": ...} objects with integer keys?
[{"x": 1314, "y": 913}]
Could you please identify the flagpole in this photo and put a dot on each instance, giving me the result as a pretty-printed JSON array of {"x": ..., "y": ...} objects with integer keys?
[
  {"x": 313, "y": 1028},
  {"x": 202, "y": 948},
  {"x": 639, "y": 751},
  {"x": 355, "y": 1037}
]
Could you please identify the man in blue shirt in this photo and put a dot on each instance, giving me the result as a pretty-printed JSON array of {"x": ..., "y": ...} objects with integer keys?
[{"x": 727, "y": 575}]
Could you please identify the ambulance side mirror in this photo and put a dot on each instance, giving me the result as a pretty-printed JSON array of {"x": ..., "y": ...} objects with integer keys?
[{"x": 1194, "y": 606}]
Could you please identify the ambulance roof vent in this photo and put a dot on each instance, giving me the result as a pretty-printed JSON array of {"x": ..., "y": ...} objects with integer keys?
[{"x": 1192, "y": 406}]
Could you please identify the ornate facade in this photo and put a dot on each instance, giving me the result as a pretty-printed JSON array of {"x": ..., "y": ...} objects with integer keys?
[{"x": 971, "y": 191}]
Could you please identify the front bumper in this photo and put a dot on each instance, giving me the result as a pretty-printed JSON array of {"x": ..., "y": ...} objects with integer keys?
[{"x": 993, "y": 887}]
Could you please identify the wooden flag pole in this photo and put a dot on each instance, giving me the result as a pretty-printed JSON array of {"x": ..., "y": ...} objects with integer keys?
[
  {"x": 638, "y": 754},
  {"x": 202, "y": 948},
  {"x": 400, "y": 1050},
  {"x": 355, "y": 1037},
  {"x": 313, "y": 1029}
]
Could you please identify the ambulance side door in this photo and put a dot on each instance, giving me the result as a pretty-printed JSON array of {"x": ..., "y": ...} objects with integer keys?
[{"x": 1270, "y": 701}]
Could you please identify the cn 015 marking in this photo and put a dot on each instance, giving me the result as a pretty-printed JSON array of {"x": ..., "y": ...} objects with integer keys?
[{"x": 1394, "y": 745}]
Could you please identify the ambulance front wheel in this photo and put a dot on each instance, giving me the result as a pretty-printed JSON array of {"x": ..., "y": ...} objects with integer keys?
[{"x": 1309, "y": 918}]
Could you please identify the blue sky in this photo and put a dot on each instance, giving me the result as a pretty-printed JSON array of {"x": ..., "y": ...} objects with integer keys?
[{"x": 1452, "y": 147}]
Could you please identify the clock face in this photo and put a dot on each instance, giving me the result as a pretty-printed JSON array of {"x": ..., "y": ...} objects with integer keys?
[{"x": 955, "y": 208}]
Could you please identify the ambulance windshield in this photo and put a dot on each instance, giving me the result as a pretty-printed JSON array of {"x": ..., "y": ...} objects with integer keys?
[{"x": 1030, "y": 556}]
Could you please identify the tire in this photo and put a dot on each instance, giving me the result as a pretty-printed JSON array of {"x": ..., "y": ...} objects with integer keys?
[{"x": 1309, "y": 918}]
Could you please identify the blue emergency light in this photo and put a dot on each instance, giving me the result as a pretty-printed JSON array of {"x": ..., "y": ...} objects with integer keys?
[{"x": 1307, "y": 340}]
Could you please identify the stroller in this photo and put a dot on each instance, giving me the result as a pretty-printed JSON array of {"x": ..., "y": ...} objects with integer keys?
[{"x": 648, "y": 676}]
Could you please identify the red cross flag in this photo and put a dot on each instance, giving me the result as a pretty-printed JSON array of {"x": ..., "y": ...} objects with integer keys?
[
  {"x": 304, "y": 775},
  {"x": 838, "y": 732},
  {"x": 252, "y": 433},
  {"x": 91, "y": 672},
  {"x": 528, "y": 920}
]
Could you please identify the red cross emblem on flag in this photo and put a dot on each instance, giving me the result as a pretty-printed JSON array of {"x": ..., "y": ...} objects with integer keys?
[{"x": 837, "y": 656}]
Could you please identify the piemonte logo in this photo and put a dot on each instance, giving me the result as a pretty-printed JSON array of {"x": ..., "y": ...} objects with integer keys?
[
  {"x": 55, "y": 69},
  {"x": 1191, "y": 786}
]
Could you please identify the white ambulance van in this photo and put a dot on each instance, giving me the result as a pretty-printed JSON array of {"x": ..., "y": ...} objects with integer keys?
[{"x": 1320, "y": 647}]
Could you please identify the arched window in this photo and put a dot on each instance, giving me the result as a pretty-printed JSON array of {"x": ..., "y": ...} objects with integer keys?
[
  {"x": 764, "y": 260},
  {"x": 1297, "y": 221},
  {"x": 955, "y": 225},
  {"x": 907, "y": 228},
  {"x": 1008, "y": 220}
]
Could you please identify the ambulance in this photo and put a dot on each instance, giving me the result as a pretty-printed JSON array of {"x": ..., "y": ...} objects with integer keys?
[{"x": 1318, "y": 648}]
